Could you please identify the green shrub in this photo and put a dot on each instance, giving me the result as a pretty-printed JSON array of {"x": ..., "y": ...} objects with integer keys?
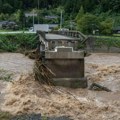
[
  {"x": 17, "y": 42},
  {"x": 108, "y": 41},
  {"x": 87, "y": 23},
  {"x": 106, "y": 27}
]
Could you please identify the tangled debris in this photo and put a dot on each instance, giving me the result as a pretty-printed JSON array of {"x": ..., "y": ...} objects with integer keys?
[
  {"x": 95, "y": 86},
  {"x": 42, "y": 73},
  {"x": 33, "y": 54}
]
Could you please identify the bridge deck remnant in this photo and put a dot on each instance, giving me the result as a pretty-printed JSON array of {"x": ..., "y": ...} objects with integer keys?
[{"x": 60, "y": 52}]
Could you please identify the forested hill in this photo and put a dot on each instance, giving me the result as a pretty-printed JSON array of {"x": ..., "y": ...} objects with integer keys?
[
  {"x": 10, "y": 6},
  {"x": 88, "y": 16}
]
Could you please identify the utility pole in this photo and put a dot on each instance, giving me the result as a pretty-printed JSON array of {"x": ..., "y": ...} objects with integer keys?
[
  {"x": 70, "y": 22},
  {"x": 61, "y": 19},
  {"x": 38, "y": 11},
  {"x": 33, "y": 19}
]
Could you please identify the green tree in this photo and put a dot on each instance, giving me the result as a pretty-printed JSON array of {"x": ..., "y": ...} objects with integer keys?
[
  {"x": 88, "y": 23},
  {"x": 116, "y": 21},
  {"x": 22, "y": 18},
  {"x": 115, "y": 5},
  {"x": 7, "y": 8},
  {"x": 17, "y": 16},
  {"x": 106, "y": 26},
  {"x": 1, "y": 6},
  {"x": 4, "y": 16},
  {"x": 80, "y": 14}
]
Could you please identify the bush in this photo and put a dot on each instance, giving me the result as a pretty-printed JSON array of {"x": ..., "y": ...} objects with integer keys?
[
  {"x": 106, "y": 26},
  {"x": 17, "y": 42},
  {"x": 87, "y": 23},
  {"x": 108, "y": 41}
]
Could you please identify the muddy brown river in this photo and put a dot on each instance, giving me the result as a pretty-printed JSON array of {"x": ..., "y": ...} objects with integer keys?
[{"x": 26, "y": 96}]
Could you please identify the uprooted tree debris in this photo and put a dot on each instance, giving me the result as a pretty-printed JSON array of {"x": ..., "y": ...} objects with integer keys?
[
  {"x": 42, "y": 73},
  {"x": 95, "y": 86},
  {"x": 31, "y": 54}
]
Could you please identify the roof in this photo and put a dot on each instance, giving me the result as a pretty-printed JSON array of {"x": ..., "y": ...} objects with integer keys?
[
  {"x": 30, "y": 14},
  {"x": 3, "y": 22},
  {"x": 7, "y": 22},
  {"x": 51, "y": 17}
]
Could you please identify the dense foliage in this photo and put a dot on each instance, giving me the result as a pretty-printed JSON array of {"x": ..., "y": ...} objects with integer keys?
[
  {"x": 17, "y": 42},
  {"x": 10, "y": 6},
  {"x": 107, "y": 41},
  {"x": 74, "y": 13}
]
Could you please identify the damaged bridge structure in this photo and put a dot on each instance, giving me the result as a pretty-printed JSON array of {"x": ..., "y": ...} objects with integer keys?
[{"x": 60, "y": 52}]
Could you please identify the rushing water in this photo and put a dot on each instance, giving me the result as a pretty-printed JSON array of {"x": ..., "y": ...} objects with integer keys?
[{"x": 25, "y": 95}]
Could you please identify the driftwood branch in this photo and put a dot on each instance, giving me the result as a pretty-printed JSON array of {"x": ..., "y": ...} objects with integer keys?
[
  {"x": 95, "y": 86},
  {"x": 42, "y": 73}
]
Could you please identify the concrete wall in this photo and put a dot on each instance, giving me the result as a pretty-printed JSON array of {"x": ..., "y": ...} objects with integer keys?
[
  {"x": 52, "y": 44},
  {"x": 91, "y": 47},
  {"x": 67, "y": 68}
]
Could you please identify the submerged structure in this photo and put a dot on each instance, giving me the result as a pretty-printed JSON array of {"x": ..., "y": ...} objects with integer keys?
[{"x": 60, "y": 51}]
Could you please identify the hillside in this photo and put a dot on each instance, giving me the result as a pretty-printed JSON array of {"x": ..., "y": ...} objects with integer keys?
[
  {"x": 10, "y": 6},
  {"x": 100, "y": 14}
]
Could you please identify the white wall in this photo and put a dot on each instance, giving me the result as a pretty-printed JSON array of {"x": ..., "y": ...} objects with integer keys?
[
  {"x": 44, "y": 27},
  {"x": 41, "y": 27}
]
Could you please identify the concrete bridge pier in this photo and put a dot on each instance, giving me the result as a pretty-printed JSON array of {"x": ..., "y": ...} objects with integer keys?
[{"x": 68, "y": 67}]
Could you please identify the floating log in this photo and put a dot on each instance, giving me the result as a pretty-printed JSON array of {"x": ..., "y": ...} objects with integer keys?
[{"x": 95, "y": 86}]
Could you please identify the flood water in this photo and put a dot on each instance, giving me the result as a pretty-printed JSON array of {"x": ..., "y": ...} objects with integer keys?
[{"x": 25, "y": 95}]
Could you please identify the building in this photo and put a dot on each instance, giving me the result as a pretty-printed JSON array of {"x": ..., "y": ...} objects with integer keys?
[
  {"x": 51, "y": 17},
  {"x": 8, "y": 25},
  {"x": 44, "y": 27},
  {"x": 30, "y": 14},
  {"x": 2, "y": 23}
]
